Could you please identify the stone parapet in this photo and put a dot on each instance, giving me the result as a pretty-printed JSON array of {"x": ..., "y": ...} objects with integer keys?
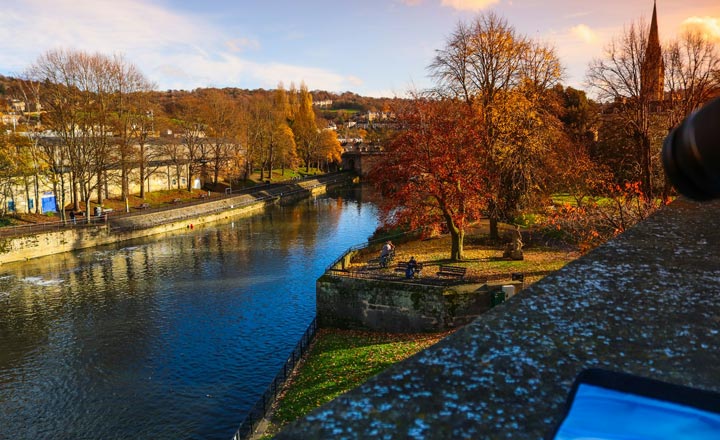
[{"x": 646, "y": 303}]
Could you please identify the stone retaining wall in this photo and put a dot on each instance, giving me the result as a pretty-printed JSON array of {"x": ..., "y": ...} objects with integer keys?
[
  {"x": 130, "y": 227},
  {"x": 397, "y": 306},
  {"x": 48, "y": 243}
]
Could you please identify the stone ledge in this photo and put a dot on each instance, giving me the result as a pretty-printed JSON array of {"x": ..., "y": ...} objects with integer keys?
[{"x": 646, "y": 303}]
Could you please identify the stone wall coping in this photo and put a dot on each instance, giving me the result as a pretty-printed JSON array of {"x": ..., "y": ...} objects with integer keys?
[{"x": 645, "y": 303}]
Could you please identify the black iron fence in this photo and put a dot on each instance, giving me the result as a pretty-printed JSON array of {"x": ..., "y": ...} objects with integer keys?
[
  {"x": 262, "y": 406},
  {"x": 272, "y": 191},
  {"x": 369, "y": 244},
  {"x": 78, "y": 223}
]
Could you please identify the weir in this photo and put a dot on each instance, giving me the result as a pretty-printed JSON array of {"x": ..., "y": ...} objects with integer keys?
[{"x": 645, "y": 303}]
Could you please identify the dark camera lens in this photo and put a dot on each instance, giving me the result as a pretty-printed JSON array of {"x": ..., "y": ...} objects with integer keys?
[{"x": 691, "y": 154}]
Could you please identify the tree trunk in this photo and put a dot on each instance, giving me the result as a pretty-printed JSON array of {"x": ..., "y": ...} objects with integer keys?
[
  {"x": 124, "y": 187},
  {"x": 27, "y": 194},
  {"x": 189, "y": 178},
  {"x": 74, "y": 194},
  {"x": 87, "y": 209},
  {"x": 646, "y": 167},
  {"x": 142, "y": 179},
  {"x": 57, "y": 199},
  {"x": 37, "y": 194},
  {"x": 106, "y": 184},
  {"x": 99, "y": 188},
  {"x": 457, "y": 236},
  {"x": 456, "y": 252},
  {"x": 494, "y": 234}
]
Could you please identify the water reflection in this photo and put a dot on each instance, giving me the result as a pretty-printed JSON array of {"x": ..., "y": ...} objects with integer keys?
[{"x": 170, "y": 337}]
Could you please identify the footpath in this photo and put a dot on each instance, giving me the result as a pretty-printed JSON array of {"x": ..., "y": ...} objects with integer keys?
[{"x": 43, "y": 240}]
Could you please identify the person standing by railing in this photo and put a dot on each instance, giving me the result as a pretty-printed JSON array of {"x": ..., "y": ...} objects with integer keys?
[{"x": 386, "y": 253}]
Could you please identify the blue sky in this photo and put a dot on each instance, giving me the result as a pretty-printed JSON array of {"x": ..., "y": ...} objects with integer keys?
[{"x": 372, "y": 47}]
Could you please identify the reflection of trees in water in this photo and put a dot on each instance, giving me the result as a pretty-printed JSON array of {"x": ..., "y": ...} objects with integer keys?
[
  {"x": 103, "y": 299},
  {"x": 110, "y": 294}
]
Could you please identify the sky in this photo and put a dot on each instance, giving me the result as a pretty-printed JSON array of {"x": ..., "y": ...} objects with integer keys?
[{"x": 371, "y": 47}]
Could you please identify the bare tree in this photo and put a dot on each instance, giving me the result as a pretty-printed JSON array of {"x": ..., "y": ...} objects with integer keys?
[
  {"x": 222, "y": 122},
  {"x": 617, "y": 78},
  {"x": 192, "y": 134},
  {"x": 692, "y": 74},
  {"x": 83, "y": 95},
  {"x": 133, "y": 122}
]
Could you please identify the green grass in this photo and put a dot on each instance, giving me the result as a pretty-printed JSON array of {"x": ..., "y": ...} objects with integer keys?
[
  {"x": 349, "y": 111},
  {"x": 341, "y": 360},
  {"x": 278, "y": 176},
  {"x": 564, "y": 199}
]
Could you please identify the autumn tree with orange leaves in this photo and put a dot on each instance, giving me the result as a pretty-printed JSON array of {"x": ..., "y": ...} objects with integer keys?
[
  {"x": 432, "y": 173},
  {"x": 506, "y": 78}
]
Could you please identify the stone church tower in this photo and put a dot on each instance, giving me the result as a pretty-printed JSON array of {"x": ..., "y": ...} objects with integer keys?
[{"x": 652, "y": 70}]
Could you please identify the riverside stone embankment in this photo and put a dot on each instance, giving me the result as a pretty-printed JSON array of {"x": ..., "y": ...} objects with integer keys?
[{"x": 127, "y": 227}]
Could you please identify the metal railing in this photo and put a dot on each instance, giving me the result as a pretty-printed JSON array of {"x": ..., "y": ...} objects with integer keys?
[
  {"x": 79, "y": 223},
  {"x": 274, "y": 190},
  {"x": 263, "y": 405},
  {"x": 361, "y": 246}
]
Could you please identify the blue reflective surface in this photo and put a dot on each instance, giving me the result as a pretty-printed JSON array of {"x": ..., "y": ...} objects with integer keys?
[
  {"x": 174, "y": 336},
  {"x": 604, "y": 414}
]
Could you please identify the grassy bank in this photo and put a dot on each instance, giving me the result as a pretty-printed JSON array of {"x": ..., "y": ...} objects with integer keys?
[{"x": 338, "y": 361}]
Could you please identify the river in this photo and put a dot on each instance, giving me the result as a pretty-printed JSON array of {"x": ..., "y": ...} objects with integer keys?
[{"x": 169, "y": 337}]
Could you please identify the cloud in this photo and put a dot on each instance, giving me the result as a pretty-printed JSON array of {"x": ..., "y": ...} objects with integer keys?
[
  {"x": 411, "y": 2},
  {"x": 469, "y": 5},
  {"x": 188, "y": 71},
  {"x": 241, "y": 44},
  {"x": 708, "y": 26},
  {"x": 174, "y": 50},
  {"x": 576, "y": 15},
  {"x": 584, "y": 33}
]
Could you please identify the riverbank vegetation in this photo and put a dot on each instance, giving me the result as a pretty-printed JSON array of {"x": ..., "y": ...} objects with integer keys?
[{"x": 338, "y": 361}]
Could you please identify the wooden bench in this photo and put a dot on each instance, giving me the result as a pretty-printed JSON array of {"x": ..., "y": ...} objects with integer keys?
[
  {"x": 402, "y": 267},
  {"x": 204, "y": 196},
  {"x": 144, "y": 206},
  {"x": 452, "y": 271},
  {"x": 176, "y": 200}
]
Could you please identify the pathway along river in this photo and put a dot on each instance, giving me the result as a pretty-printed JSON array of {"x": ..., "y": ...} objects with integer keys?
[{"x": 173, "y": 337}]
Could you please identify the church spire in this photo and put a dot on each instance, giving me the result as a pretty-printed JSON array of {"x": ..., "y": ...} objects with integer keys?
[
  {"x": 654, "y": 37},
  {"x": 652, "y": 71}
]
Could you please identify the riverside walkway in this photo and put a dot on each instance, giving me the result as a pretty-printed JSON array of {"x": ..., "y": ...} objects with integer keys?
[
  {"x": 117, "y": 219},
  {"x": 21, "y": 243}
]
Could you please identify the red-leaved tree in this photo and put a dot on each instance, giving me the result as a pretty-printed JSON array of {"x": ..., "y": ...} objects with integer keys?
[{"x": 433, "y": 171}]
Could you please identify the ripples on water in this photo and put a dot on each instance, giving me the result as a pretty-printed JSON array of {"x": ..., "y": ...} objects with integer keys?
[{"x": 171, "y": 337}]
